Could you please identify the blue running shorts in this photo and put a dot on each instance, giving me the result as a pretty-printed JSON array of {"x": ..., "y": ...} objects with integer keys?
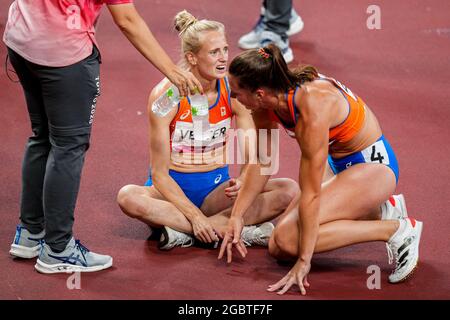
[
  {"x": 196, "y": 186},
  {"x": 380, "y": 152}
]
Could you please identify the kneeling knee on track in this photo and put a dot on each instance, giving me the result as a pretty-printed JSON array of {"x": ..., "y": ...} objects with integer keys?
[{"x": 280, "y": 246}]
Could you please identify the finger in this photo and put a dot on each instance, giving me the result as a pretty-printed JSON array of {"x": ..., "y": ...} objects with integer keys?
[
  {"x": 242, "y": 244},
  {"x": 236, "y": 235},
  {"x": 207, "y": 236},
  {"x": 286, "y": 287},
  {"x": 279, "y": 284},
  {"x": 241, "y": 249},
  {"x": 213, "y": 235},
  {"x": 220, "y": 234},
  {"x": 300, "y": 285},
  {"x": 231, "y": 195},
  {"x": 223, "y": 246},
  {"x": 181, "y": 85},
  {"x": 229, "y": 252},
  {"x": 231, "y": 189},
  {"x": 305, "y": 282},
  {"x": 200, "y": 237},
  {"x": 192, "y": 87},
  {"x": 197, "y": 86}
]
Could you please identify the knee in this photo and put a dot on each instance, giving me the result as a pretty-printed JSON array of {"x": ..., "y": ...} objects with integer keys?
[
  {"x": 273, "y": 247},
  {"x": 287, "y": 191},
  {"x": 291, "y": 188},
  {"x": 280, "y": 246},
  {"x": 126, "y": 200},
  {"x": 70, "y": 141}
]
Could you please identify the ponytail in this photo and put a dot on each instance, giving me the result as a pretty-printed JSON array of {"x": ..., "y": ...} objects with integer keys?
[{"x": 266, "y": 67}]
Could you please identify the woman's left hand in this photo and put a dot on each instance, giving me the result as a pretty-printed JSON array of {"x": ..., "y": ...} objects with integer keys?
[
  {"x": 233, "y": 189},
  {"x": 298, "y": 275}
]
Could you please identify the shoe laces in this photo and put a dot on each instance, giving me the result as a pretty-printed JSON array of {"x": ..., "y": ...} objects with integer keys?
[
  {"x": 81, "y": 248},
  {"x": 393, "y": 256},
  {"x": 259, "y": 26},
  {"x": 390, "y": 252}
]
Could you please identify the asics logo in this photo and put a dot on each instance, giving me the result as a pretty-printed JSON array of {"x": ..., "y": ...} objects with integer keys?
[
  {"x": 218, "y": 178},
  {"x": 185, "y": 115},
  {"x": 70, "y": 259}
]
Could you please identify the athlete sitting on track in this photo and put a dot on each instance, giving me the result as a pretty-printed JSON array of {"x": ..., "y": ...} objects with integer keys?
[{"x": 184, "y": 197}]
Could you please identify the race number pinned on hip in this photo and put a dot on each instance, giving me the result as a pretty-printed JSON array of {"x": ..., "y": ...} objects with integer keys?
[{"x": 376, "y": 153}]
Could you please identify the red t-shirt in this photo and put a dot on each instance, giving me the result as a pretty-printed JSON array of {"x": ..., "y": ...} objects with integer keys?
[{"x": 54, "y": 33}]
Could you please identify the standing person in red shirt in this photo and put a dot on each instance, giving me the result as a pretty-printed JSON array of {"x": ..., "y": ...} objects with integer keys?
[{"x": 52, "y": 47}]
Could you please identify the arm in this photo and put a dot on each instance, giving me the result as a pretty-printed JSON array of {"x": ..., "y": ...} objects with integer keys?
[
  {"x": 312, "y": 137},
  {"x": 136, "y": 30},
  {"x": 163, "y": 182},
  {"x": 253, "y": 182},
  {"x": 312, "y": 134}
]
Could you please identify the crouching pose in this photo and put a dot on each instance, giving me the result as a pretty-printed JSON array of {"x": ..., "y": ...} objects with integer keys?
[{"x": 335, "y": 130}]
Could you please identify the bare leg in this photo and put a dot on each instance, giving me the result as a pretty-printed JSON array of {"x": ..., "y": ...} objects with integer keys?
[
  {"x": 148, "y": 205},
  {"x": 350, "y": 195},
  {"x": 334, "y": 235},
  {"x": 274, "y": 199}
]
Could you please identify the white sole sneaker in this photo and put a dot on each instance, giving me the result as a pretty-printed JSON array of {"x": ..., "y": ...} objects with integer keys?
[
  {"x": 412, "y": 265},
  {"x": 249, "y": 41},
  {"x": 398, "y": 203},
  {"x": 296, "y": 27},
  {"x": 401, "y": 199},
  {"x": 68, "y": 268},
  {"x": 24, "y": 252},
  {"x": 288, "y": 56}
]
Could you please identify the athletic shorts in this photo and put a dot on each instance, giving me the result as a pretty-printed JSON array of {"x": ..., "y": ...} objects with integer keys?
[
  {"x": 380, "y": 152},
  {"x": 196, "y": 186}
]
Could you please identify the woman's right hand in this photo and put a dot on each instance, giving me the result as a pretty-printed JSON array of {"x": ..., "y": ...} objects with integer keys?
[
  {"x": 232, "y": 238},
  {"x": 185, "y": 81},
  {"x": 203, "y": 230},
  {"x": 297, "y": 275}
]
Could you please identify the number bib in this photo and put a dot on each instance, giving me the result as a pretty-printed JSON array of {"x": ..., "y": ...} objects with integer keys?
[{"x": 378, "y": 153}]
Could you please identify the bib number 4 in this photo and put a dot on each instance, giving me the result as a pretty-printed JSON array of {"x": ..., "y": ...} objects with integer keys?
[{"x": 376, "y": 153}]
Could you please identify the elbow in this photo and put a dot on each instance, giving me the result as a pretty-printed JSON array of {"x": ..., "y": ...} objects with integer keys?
[
  {"x": 158, "y": 178},
  {"x": 125, "y": 23}
]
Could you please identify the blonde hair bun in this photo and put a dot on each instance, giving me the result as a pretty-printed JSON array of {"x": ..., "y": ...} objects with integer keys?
[{"x": 183, "y": 20}]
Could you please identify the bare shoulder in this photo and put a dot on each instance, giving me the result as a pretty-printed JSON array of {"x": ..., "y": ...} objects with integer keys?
[
  {"x": 318, "y": 92},
  {"x": 316, "y": 99}
]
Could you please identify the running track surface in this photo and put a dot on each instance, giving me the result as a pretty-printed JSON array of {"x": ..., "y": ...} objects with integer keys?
[{"x": 401, "y": 71}]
